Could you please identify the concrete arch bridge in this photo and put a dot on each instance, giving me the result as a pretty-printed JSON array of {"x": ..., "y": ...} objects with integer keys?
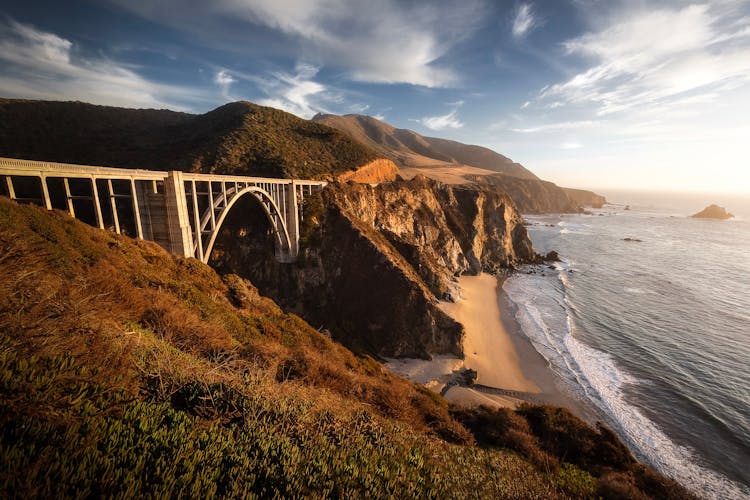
[{"x": 183, "y": 212}]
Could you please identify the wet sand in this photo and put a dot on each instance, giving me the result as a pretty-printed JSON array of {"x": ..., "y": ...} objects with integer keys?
[{"x": 509, "y": 370}]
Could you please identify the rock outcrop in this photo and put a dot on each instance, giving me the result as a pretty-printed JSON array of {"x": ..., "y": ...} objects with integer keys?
[
  {"x": 375, "y": 172},
  {"x": 378, "y": 258},
  {"x": 584, "y": 198},
  {"x": 713, "y": 211}
]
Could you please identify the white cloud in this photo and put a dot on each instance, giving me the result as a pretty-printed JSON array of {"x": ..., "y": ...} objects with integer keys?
[
  {"x": 296, "y": 93},
  {"x": 224, "y": 80},
  {"x": 442, "y": 122},
  {"x": 570, "y": 145},
  {"x": 42, "y": 65},
  {"x": 654, "y": 56},
  {"x": 524, "y": 21},
  {"x": 382, "y": 41}
]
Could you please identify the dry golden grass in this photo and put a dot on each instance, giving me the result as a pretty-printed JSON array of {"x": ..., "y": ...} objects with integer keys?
[{"x": 126, "y": 371}]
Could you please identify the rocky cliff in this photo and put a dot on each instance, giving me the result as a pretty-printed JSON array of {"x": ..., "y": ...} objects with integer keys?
[{"x": 376, "y": 259}]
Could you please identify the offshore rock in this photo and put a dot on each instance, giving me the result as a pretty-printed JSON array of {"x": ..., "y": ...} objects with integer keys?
[{"x": 713, "y": 211}]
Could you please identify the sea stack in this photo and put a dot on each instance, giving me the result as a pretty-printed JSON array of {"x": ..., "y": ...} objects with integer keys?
[{"x": 713, "y": 212}]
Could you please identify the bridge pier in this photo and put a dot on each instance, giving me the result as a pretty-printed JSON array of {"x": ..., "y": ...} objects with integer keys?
[
  {"x": 178, "y": 221},
  {"x": 292, "y": 225}
]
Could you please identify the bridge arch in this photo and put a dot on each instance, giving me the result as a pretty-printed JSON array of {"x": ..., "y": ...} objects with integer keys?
[{"x": 282, "y": 239}]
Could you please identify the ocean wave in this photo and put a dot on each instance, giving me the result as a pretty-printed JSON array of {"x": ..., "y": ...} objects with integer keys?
[{"x": 545, "y": 317}]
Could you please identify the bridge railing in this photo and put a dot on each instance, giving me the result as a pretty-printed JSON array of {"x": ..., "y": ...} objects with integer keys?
[{"x": 13, "y": 166}]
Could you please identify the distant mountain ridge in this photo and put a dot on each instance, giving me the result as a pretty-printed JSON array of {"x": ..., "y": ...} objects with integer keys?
[
  {"x": 237, "y": 138},
  {"x": 411, "y": 149},
  {"x": 455, "y": 162},
  {"x": 248, "y": 139}
]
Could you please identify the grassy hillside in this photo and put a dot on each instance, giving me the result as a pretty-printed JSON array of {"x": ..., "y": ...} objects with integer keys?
[
  {"x": 239, "y": 137},
  {"x": 125, "y": 371},
  {"x": 410, "y": 149}
]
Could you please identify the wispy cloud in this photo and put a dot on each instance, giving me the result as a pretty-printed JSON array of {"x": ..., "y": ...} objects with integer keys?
[
  {"x": 449, "y": 120},
  {"x": 296, "y": 93},
  {"x": 654, "y": 56},
  {"x": 571, "y": 145},
  {"x": 524, "y": 21},
  {"x": 385, "y": 41},
  {"x": 358, "y": 108},
  {"x": 42, "y": 65},
  {"x": 557, "y": 127}
]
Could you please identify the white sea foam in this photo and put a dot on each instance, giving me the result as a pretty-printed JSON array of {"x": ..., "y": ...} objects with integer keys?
[{"x": 545, "y": 318}]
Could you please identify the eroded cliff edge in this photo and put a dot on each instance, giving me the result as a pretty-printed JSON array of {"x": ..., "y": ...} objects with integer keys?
[{"x": 375, "y": 260}]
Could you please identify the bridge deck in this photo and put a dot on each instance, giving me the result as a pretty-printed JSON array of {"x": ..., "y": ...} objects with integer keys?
[
  {"x": 182, "y": 211},
  {"x": 15, "y": 166}
]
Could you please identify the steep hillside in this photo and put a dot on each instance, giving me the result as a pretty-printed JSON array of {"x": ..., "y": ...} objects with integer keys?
[
  {"x": 410, "y": 149},
  {"x": 127, "y": 372},
  {"x": 239, "y": 137}
]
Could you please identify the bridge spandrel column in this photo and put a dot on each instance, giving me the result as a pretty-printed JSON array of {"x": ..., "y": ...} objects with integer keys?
[
  {"x": 180, "y": 232},
  {"x": 292, "y": 217}
]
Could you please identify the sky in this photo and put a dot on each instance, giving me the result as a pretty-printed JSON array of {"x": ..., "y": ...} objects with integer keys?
[{"x": 585, "y": 93}]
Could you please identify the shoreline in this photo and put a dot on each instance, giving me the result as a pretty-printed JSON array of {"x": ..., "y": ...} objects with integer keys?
[
  {"x": 538, "y": 369},
  {"x": 510, "y": 371}
]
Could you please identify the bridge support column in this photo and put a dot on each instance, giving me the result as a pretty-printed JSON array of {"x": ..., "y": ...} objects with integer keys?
[
  {"x": 178, "y": 220},
  {"x": 292, "y": 218}
]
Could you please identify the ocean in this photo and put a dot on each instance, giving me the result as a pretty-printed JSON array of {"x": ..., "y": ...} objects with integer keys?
[{"x": 652, "y": 333}]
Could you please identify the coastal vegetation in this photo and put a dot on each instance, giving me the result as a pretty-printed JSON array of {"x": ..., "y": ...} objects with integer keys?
[
  {"x": 238, "y": 138},
  {"x": 127, "y": 371}
]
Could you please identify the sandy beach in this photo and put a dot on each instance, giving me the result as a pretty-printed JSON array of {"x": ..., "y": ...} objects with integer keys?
[
  {"x": 487, "y": 346},
  {"x": 509, "y": 369}
]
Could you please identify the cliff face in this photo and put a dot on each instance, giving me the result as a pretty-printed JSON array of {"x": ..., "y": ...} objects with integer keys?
[
  {"x": 443, "y": 231},
  {"x": 376, "y": 259}
]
